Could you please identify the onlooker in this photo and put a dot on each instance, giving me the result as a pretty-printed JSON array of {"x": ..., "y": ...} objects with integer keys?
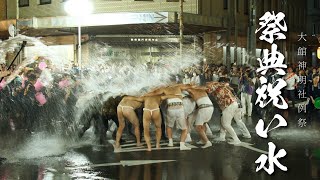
[
  {"x": 247, "y": 89},
  {"x": 186, "y": 79},
  {"x": 234, "y": 78},
  {"x": 223, "y": 76},
  {"x": 313, "y": 93},
  {"x": 195, "y": 80},
  {"x": 301, "y": 87},
  {"x": 215, "y": 76},
  {"x": 292, "y": 81}
]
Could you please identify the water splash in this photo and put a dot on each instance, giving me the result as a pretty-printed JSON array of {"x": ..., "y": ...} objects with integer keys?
[
  {"x": 34, "y": 49},
  {"x": 126, "y": 76},
  {"x": 41, "y": 145},
  {"x": 103, "y": 77}
]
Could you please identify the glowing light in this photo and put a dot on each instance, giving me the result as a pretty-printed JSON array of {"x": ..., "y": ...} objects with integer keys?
[{"x": 318, "y": 53}]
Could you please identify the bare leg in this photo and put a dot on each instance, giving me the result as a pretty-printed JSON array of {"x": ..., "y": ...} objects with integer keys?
[
  {"x": 205, "y": 127},
  {"x": 169, "y": 132},
  {"x": 146, "y": 129},
  {"x": 157, "y": 122},
  {"x": 202, "y": 133},
  {"x": 132, "y": 117},
  {"x": 183, "y": 136},
  {"x": 120, "y": 128}
]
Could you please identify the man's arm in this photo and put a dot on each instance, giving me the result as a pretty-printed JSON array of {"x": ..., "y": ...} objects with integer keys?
[
  {"x": 133, "y": 98},
  {"x": 4, "y": 74},
  {"x": 155, "y": 92},
  {"x": 185, "y": 86},
  {"x": 170, "y": 96},
  {"x": 200, "y": 88}
]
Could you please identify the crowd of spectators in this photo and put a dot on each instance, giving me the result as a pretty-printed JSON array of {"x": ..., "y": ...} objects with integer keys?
[
  {"x": 302, "y": 83},
  {"x": 31, "y": 101},
  {"x": 28, "y": 97}
]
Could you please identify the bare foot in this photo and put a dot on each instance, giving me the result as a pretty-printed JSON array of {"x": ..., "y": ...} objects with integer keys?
[
  {"x": 149, "y": 149},
  {"x": 158, "y": 146},
  {"x": 139, "y": 145},
  {"x": 117, "y": 148}
]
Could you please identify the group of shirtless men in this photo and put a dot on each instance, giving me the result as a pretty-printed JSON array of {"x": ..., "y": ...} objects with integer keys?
[{"x": 196, "y": 108}]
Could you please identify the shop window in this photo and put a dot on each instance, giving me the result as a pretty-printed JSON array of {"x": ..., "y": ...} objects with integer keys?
[
  {"x": 45, "y": 2},
  {"x": 23, "y": 3}
]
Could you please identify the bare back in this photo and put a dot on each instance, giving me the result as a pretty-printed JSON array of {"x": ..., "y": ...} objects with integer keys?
[
  {"x": 128, "y": 102},
  {"x": 172, "y": 90},
  {"x": 152, "y": 102},
  {"x": 197, "y": 93}
]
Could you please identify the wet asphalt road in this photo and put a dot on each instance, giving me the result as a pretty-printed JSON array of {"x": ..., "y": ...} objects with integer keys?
[{"x": 222, "y": 161}]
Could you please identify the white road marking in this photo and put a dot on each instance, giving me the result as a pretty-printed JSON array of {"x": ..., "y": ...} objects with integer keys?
[
  {"x": 245, "y": 143},
  {"x": 248, "y": 146},
  {"x": 123, "y": 163},
  {"x": 144, "y": 149},
  {"x": 130, "y": 141},
  {"x": 143, "y": 143},
  {"x": 137, "y": 149},
  {"x": 141, "y": 162}
]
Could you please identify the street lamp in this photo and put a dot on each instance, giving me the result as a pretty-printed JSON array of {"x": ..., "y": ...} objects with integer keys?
[{"x": 78, "y": 8}]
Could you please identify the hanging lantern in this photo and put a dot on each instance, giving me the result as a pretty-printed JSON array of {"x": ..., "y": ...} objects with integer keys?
[{"x": 318, "y": 53}]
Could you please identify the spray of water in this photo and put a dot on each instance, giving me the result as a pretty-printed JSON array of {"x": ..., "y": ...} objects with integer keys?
[
  {"x": 103, "y": 77},
  {"x": 34, "y": 49},
  {"x": 125, "y": 75}
]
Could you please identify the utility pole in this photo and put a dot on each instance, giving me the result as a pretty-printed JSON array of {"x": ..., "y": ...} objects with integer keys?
[
  {"x": 236, "y": 31},
  {"x": 252, "y": 34},
  {"x": 181, "y": 27},
  {"x": 17, "y": 9},
  {"x": 228, "y": 55}
]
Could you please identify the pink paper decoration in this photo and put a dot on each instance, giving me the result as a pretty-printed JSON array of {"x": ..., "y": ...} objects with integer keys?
[
  {"x": 63, "y": 84},
  {"x": 42, "y": 65},
  {"x": 40, "y": 98},
  {"x": 38, "y": 85},
  {"x": 2, "y": 84}
]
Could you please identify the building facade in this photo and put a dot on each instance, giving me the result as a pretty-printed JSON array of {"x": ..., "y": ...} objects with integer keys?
[
  {"x": 126, "y": 24},
  {"x": 313, "y": 30}
]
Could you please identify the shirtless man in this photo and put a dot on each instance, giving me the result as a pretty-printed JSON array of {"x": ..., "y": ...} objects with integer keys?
[
  {"x": 126, "y": 109},
  {"x": 203, "y": 114},
  {"x": 175, "y": 112},
  {"x": 229, "y": 107},
  {"x": 151, "y": 112}
]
